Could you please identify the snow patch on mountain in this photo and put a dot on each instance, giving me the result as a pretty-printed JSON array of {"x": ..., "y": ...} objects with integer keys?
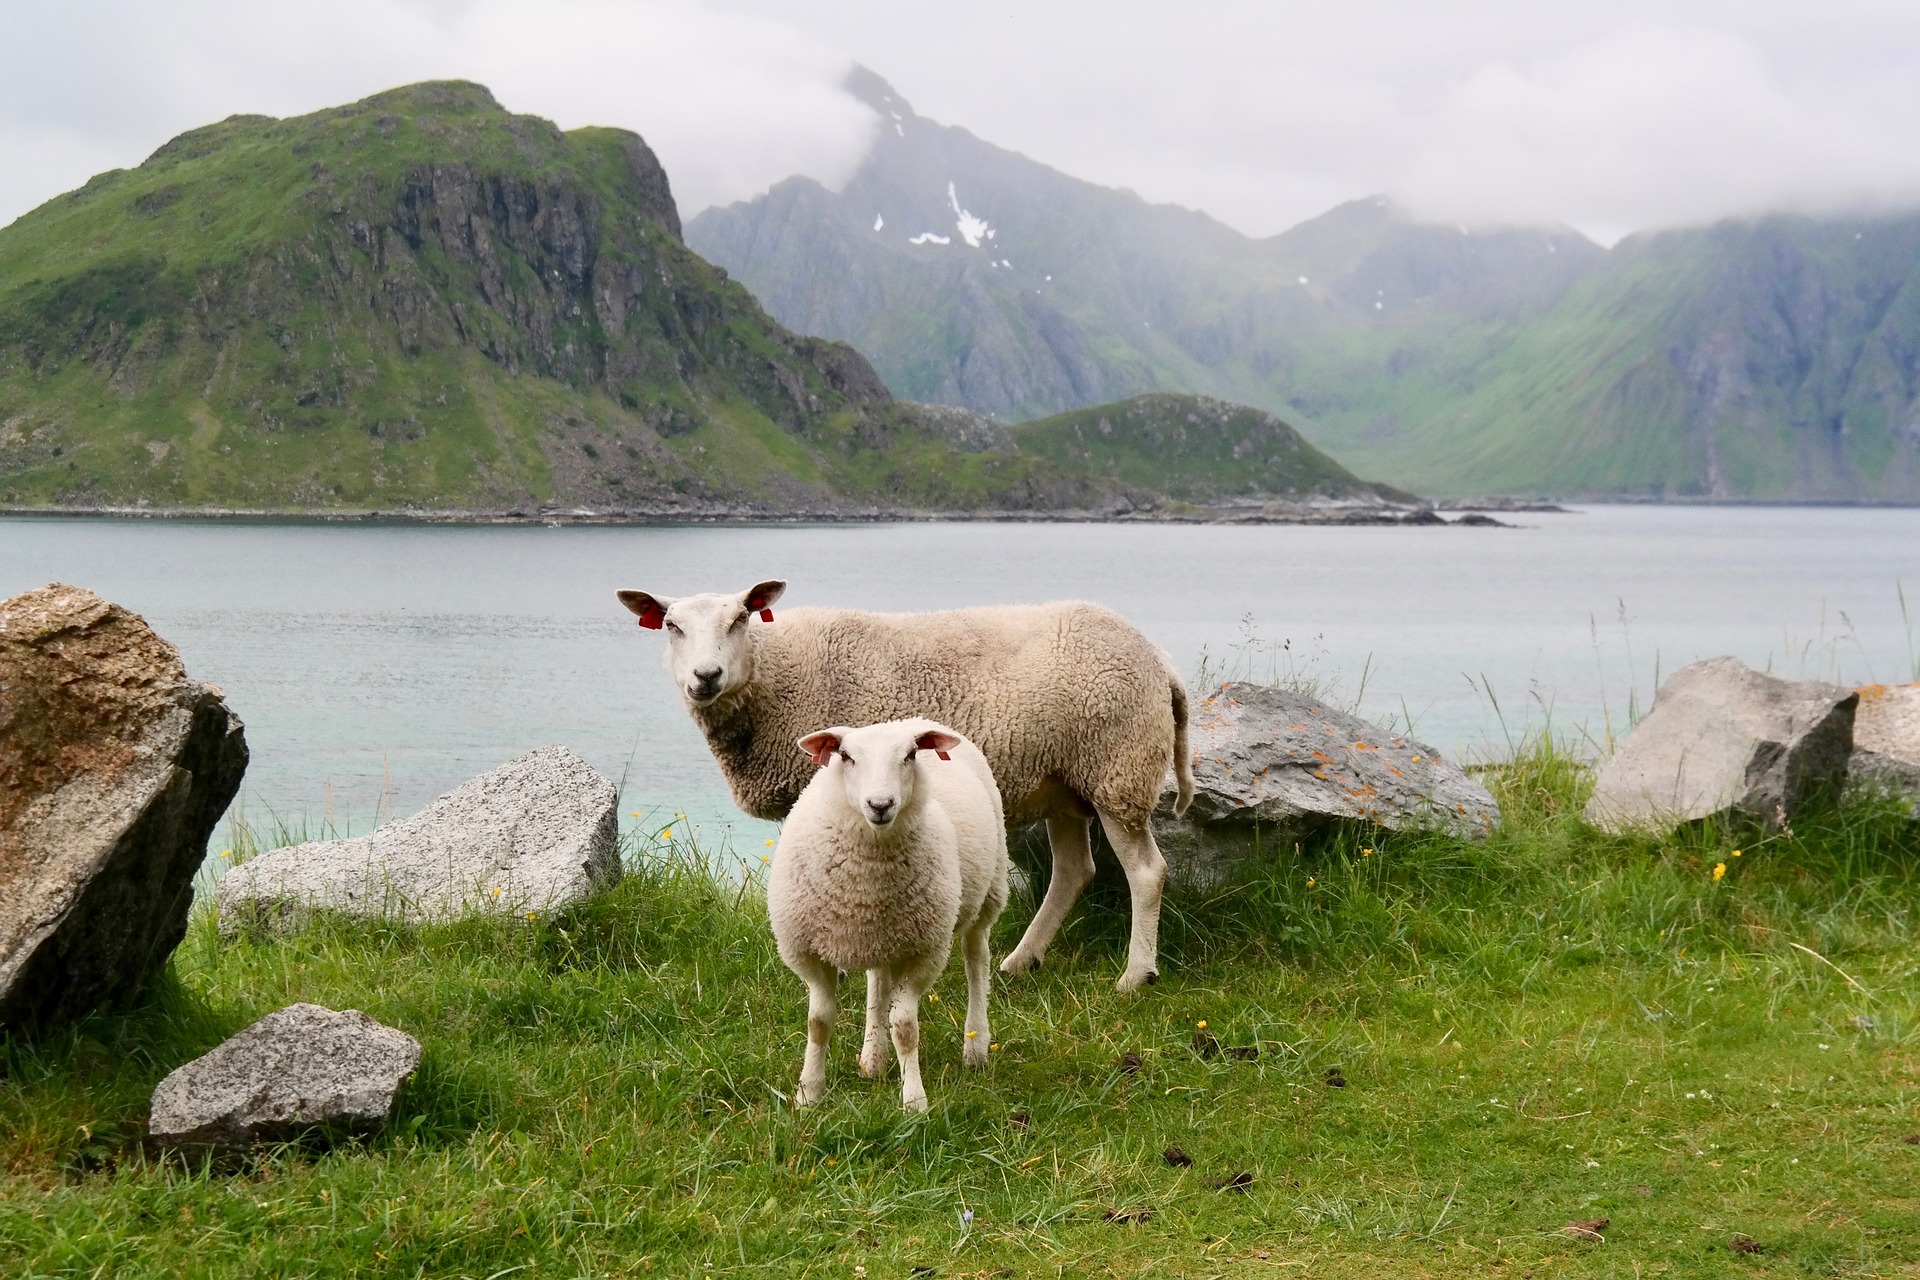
[{"x": 973, "y": 230}]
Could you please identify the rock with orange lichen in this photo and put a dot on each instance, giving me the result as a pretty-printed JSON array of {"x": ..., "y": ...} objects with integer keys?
[
  {"x": 1279, "y": 765},
  {"x": 114, "y": 768},
  {"x": 1886, "y": 737}
]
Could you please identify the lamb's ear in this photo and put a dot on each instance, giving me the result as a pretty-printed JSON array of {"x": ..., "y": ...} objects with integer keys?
[
  {"x": 821, "y": 745},
  {"x": 938, "y": 741},
  {"x": 760, "y": 596},
  {"x": 650, "y": 609}
]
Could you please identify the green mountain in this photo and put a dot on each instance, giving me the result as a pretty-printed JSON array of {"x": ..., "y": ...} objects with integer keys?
[
  {"x": 1197, "y": 450},
  {"x": 1772, "y": 358},
  {"x": 423, "y": 301}
]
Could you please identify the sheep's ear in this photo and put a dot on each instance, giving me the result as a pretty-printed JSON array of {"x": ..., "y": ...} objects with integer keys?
[
  {"x": 760, "y": 596},
  {"x": 650, "y": 609},
  {"x": 821, "y": 745},
  {"x": 938, "y": 741}
]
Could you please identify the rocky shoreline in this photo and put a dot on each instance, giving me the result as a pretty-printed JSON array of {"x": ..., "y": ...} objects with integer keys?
[{"x": 1342, "y": 514}]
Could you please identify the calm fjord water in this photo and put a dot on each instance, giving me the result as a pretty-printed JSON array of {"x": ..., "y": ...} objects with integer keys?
[{"x": 365, "y": 658}]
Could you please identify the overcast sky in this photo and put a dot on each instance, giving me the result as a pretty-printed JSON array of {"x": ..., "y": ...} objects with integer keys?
[{"x": 1609, "y": 116}]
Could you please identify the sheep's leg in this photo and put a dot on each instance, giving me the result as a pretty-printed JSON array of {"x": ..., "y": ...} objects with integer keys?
[
  {"x": 873, "y": 1048},
  {"x": 979, "y": 978},
  {"x": 823, "y": 1004},
  {"x": 908, "y": 982},
  {"x": 1071, "y": 838},
  {"x": 1146, "y": 877}
]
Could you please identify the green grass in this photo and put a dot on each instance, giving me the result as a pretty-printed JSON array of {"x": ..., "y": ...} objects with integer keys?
[{"x": 1548, "y": 1026}]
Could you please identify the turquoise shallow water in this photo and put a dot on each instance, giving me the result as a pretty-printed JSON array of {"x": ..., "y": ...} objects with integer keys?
[{"x": 377, "y": 662}]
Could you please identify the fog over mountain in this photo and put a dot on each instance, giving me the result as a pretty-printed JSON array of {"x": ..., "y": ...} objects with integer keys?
[
  {"x": 1610, "y": 118},
  {"x": 1774, "y": 357}
]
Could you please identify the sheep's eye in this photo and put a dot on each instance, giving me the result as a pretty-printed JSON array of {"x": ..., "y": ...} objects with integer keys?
[
  {"x": 737, "y": 623},
  {"x": 844, "y": 756},
  {"x": 911, "y": 754},
  {"x": 673, "y": 629}
]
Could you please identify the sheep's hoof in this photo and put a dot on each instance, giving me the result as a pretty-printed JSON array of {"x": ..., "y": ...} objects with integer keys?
[
  {"x": 918, "y": 1104},
  {"x": 806, "y": 1095},
  {"x": 1131, "y": 981},
  {"x": 1017, "y": 964},
  {"x": 974, "y": 1055},
  {"x": 873, "y": 1066}
]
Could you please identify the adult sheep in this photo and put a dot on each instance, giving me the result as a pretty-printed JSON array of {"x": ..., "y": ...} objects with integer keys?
[{"x": 1078, "y": 714}]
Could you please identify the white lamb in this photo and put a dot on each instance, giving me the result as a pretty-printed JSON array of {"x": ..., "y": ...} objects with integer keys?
[
  {"x": 894, "y": 849},
  {"x": 1078, "y": 713}
]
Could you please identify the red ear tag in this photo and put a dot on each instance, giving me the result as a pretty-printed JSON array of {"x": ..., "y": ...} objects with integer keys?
[
  {"x": 943, "y": 755},
  {"x": 766, "y": 615}
]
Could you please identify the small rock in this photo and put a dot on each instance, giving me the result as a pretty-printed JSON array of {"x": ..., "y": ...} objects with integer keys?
[
  {"x": 1177, "y": 1158},
  {"x": 1912, "y": 1139},
  {"x": 1724, "y": 739},
  {"x": 1861, "y": 1022},
  {"x": 1129, "y": 1063},
  {"x": 300, "y": 1068},
  {"x": 1745, "y": 1244},
  {"x": 114, "y": 770},
  {"x": 534, "y": 835}
]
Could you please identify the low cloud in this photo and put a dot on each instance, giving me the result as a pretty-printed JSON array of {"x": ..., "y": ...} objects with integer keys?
[{"x": 1608, "y": 117}]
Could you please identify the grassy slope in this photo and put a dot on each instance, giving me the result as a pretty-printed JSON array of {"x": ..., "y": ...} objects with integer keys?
[
  {"x": 422, "y": 300},
  {"x": 1549, "y": 1026},
  {"x": 1194, "y": 448}
]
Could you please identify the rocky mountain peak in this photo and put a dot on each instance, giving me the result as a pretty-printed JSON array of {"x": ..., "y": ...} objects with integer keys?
[{"x": 869, "y": 88}]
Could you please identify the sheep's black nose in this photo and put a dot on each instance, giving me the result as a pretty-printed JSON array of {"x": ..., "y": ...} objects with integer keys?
[
  {"x": 707, "y": 675},
  {"x": 881, "y": 810}
]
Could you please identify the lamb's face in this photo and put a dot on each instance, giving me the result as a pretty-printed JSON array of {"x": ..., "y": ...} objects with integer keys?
[
  {"x": 878, "y": 767},
  {"x": 709, "y": 650}
]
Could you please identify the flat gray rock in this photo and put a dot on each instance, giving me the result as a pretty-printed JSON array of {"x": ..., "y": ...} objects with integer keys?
[
  {"x": 1288, "y": 764},
  {"x": 536, "y": 834},
  {"x": 1724, "y": 739},
  {"x": 114, "y": 769},
  {"x": 300, "y": 1068}
]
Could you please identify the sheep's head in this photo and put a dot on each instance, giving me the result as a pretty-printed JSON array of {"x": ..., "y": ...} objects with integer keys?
[
  {"x": 879, "y": 765},
  {"x": 708, "y": 649}
]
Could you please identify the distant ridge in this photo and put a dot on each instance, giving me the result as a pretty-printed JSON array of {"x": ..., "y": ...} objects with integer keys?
[{"x": 1773, "y": 358}]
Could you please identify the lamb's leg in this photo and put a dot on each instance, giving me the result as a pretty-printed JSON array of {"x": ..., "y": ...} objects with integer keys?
[
  {"x": 873, "y": 1048},
  {"x": 1146, "y": 877},
  {"x": 1071, "y": 838},
  {"x": 823, "y": 1004},
  {"x": 979, "y": 978},
  {"x": 909, "y": 980}
]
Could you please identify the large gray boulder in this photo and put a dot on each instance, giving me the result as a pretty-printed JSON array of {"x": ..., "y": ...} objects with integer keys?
[
  {"x": 114, "y": 769},
  {"x": 536, "y": 834},
  {"x": 1886, "y": 738},
  {"x": 300, "y": 1068},
  {"x": 1724, "y": 740},
  {"x": 1272, "y": 766}
]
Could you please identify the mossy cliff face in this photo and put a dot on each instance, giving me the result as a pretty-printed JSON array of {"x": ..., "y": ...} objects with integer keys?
[{"x": 419, "y": 300}]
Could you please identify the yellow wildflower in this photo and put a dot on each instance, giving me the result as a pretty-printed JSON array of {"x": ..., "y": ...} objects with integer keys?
[
  {"x": 531, "y": 914},
  {"x": 994, "y": 1048},
  {"x": 1736, "y": 853},
  {"x": 972, "y": 1034},
  {"x": 1202, "y": 1024},
  {"x": 769, "y": 844},
  {"x": 1366, "y": 853},
  {"x": 1719, "y": 869},
  {"x": 1309, "y": 882}
]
